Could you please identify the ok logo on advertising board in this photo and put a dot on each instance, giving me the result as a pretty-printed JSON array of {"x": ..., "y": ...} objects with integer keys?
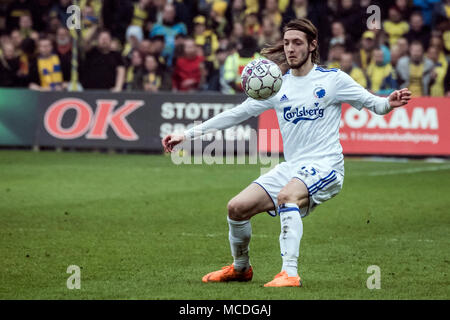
[{"x": 89, "y": 124}]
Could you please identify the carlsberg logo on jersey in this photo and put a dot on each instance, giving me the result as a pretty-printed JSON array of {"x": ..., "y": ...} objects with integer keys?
[{"x": 295, "y": 115}]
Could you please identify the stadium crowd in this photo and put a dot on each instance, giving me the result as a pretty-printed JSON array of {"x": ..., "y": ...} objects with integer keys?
[{"x": 172, "y": 45}]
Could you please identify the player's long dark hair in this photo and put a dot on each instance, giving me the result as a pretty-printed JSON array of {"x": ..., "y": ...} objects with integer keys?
[{"x": 276, "y": 52}]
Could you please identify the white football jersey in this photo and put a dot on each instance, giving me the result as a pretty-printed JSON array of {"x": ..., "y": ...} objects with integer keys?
[{"x": 308, "y": 109}]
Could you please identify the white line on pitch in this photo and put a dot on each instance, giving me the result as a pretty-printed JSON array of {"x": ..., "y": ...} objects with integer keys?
[
  {"x": 405, "y": 171},
  {"x": 215, "y": 235}
]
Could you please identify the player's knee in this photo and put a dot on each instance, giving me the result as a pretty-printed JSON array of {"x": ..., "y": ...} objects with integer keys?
[
  {"x": 285, "y": 197},
  {"x": 237, "y": 210}
]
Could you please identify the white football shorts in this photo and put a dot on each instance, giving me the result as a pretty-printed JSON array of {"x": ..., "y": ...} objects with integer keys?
[{"x": 322, "y": 182}]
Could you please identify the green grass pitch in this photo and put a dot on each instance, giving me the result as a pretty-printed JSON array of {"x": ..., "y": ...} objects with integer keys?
[{"x": 140, "y": 227}]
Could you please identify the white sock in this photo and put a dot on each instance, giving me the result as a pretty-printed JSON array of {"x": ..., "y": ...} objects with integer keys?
[
  {"x": 290, "y": 236},
  {"x": 239, "y": 235}
]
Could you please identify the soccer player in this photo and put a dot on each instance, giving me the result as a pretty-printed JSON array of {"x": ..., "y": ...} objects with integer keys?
[{"x": 308, "y": 107}]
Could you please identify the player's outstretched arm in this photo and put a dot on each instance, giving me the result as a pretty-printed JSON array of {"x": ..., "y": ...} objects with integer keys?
[
  {"x": 399, "y": 98},
  {"x": 349, "y": 91},
  {"x": 221, "y": 121}
]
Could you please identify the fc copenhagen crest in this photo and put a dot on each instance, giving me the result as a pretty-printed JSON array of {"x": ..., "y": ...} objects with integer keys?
[{"x": 319, "y": 92}]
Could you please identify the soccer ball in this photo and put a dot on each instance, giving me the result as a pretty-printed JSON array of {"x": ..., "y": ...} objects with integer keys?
[{"x": 261, "y": 79}]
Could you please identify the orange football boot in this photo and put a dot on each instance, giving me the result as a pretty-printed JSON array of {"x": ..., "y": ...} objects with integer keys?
[
  {"x": 283, "y": 280},
  {"x": 228, "y": 273}
]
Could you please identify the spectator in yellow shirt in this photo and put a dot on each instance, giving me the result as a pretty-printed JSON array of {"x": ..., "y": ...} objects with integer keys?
[
  {"x": 205, "y": 38},
  {"x": 236, "y": 12},
  {"x": 334, "y": 55},
  {"x": 270, "y": 33},
  {"x": 415, "y": 71},
  {"x": 395, "y": 27},
  {"x": 95, "y": 4},
  {"x": 403, "y": 46},
  {"x": 271, "y": 11},
  {"x": 437, "y": 42},
  {"x": 140, "y": 13},
  {"x": 46, "y": 74},
  {"x": 236, "y": 62},
  {"x": 395, "y": 55},
  {"x": 252, "y": 5},
  {"x": 438, "y": 73},
  {"x": 152, "y": 79},
  {"x": 218, "y": 21},
  {"x": 133, "y": 36},
  {"x": 252, "y": 26},
  {"x": 367, "y": 46},
  {"x": 26, "y": 26},
  {"x": 382, "y": 79},
  {"x": 297, "y": 9},
  {"x": 134, "y": 72},
  {"x": 348, "y": 66}
]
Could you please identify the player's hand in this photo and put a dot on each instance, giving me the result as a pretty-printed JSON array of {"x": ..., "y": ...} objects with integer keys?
[
  {"x": 399, "y": 98},
  {"x": 171, "y": 140}
]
